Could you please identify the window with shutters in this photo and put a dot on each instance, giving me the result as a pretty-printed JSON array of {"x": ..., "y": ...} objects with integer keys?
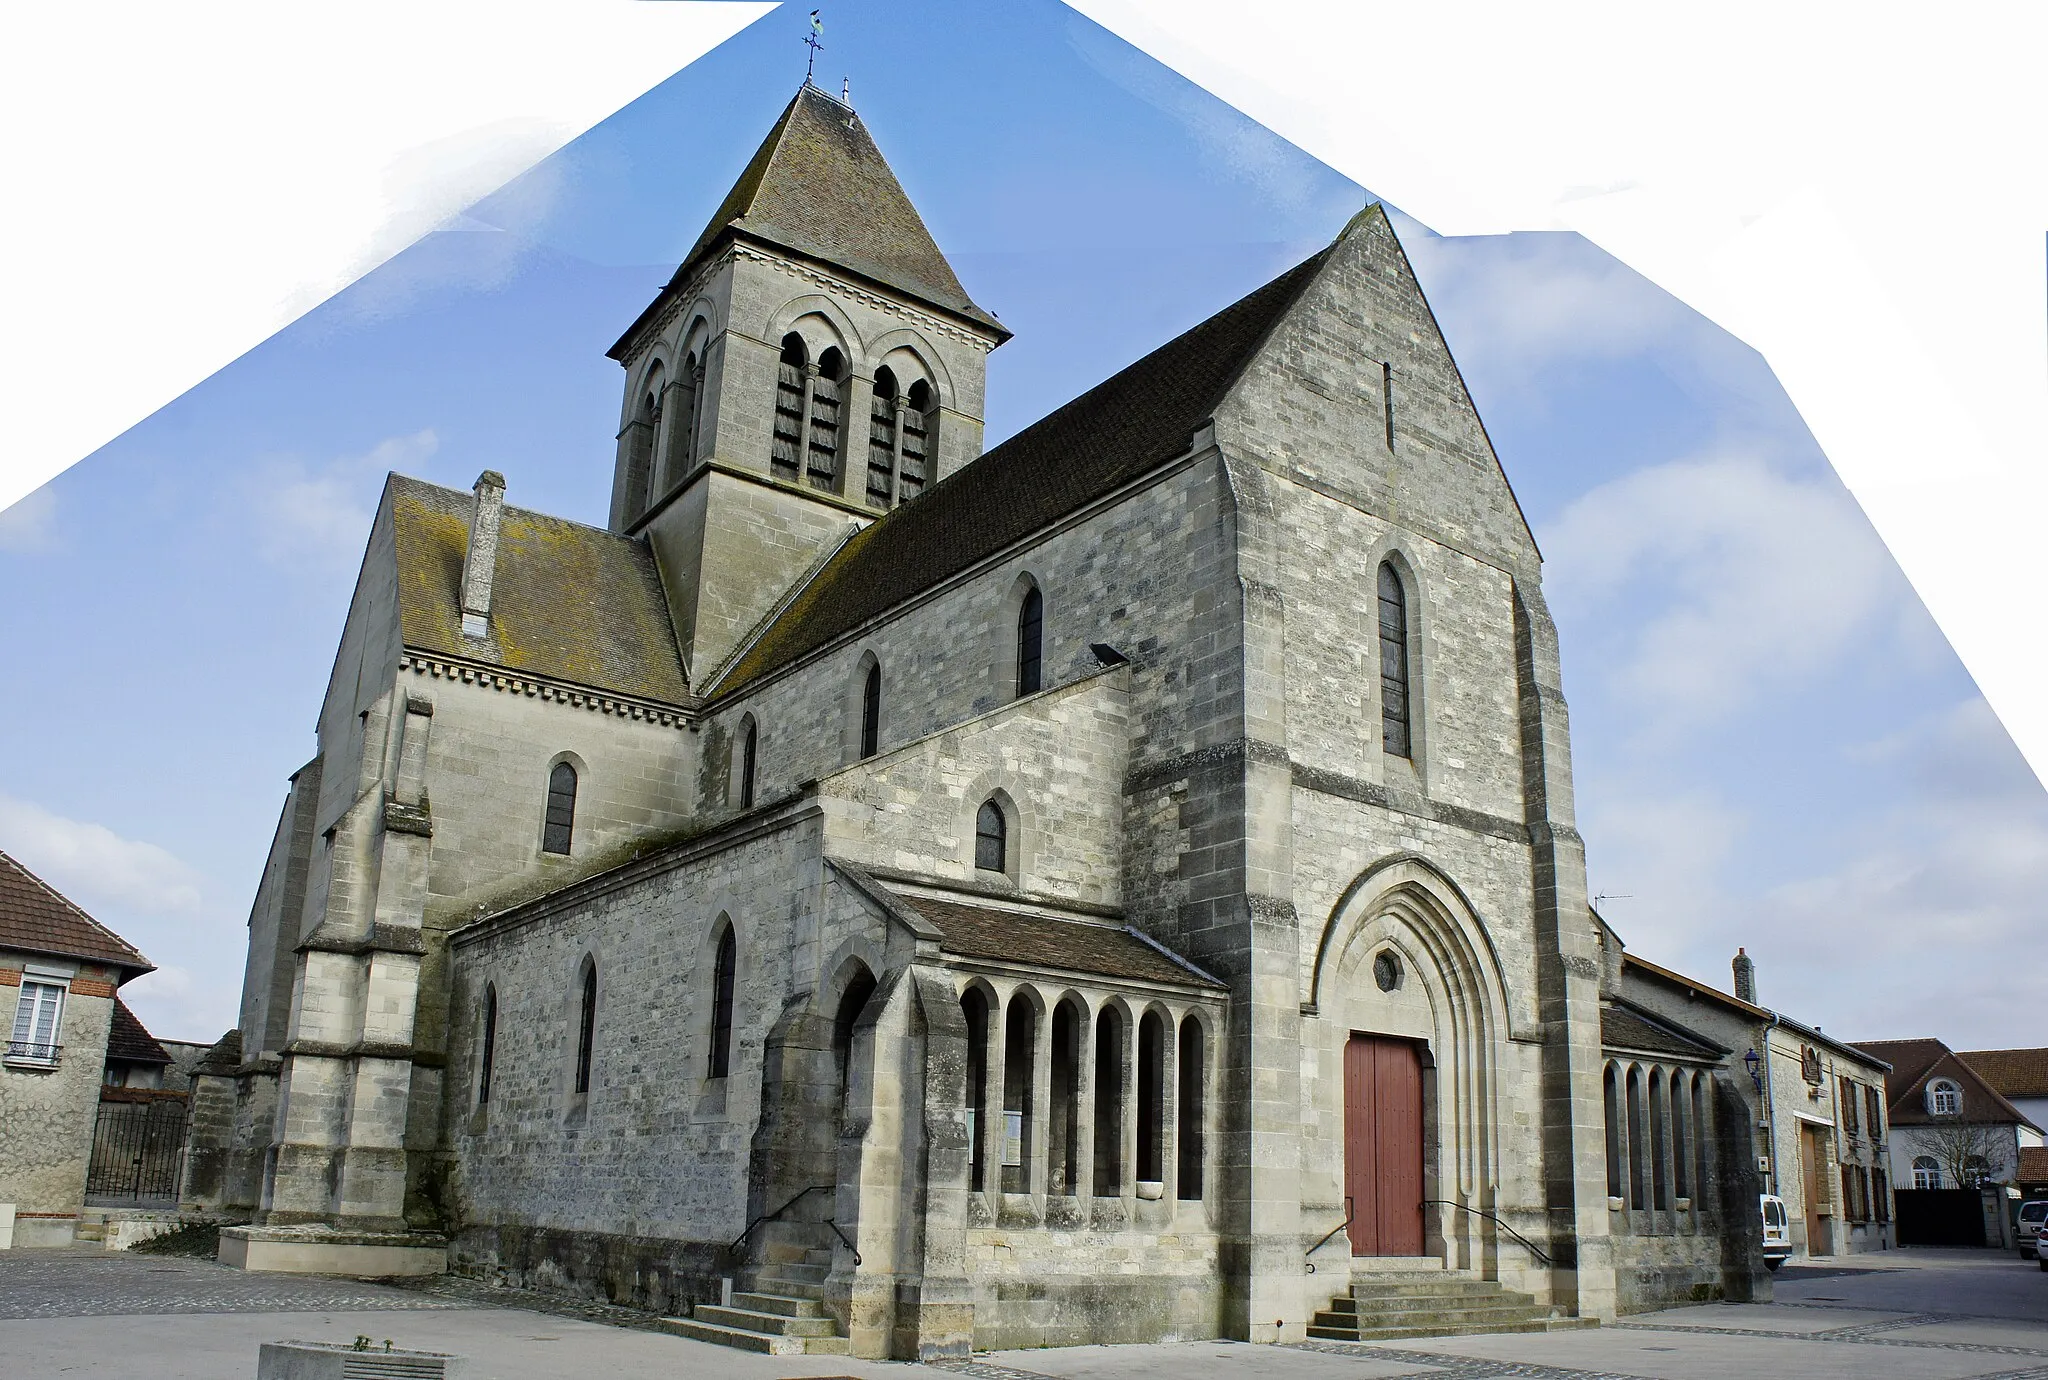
[
  {"x": 785, "y": 458},
  {"x": 1850, "y": 1109},
  {"x": 1395, "y": 735},
  {"x": 1873, "y": 1106},
  {"x": 561, "y": 812},
  {"x": 38, "y": 1009}
]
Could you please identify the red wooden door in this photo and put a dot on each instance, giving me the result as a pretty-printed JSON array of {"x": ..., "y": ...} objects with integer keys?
[{"x": 1383, "y": 1145}]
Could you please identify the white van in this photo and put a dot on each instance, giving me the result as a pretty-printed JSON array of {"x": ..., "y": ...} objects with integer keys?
[
  {"x": 2032, "y": 1216},
  {"x": 1777, "y": 1234}
]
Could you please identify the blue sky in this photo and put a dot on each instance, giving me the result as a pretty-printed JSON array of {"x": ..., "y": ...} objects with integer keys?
[{"x": 1774, "y": 745}]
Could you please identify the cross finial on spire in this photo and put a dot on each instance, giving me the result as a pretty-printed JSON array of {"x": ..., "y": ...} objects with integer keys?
[{"x": 814, "y": 41}]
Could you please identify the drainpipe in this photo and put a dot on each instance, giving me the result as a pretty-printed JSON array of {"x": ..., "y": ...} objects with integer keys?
[{"x": 1771, "y": 1105}]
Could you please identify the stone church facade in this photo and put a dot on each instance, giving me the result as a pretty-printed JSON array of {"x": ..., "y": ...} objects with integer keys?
[{"x": 1107, "y": 888}]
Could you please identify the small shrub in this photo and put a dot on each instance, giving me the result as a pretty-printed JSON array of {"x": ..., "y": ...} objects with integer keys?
[{"x": 193, "y": 1238}]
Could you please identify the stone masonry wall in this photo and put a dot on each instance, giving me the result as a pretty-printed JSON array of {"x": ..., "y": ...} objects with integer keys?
[{"x": 46, "y": 1115}]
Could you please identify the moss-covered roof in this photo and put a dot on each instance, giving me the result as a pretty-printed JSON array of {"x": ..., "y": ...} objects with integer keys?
[
  {"x": 568, "y": 601},
  {"x": 818, "y": 186},
  {"x": 1110, "y": 435}
]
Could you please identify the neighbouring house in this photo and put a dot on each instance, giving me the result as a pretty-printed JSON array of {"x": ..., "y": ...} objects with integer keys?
[
  {"x": 1955, "y": 1145},
  {"x": 1801, "y": 1114},
  {"x": 2020, "y": 1076},
  {"x": 70, "y": 1034}
]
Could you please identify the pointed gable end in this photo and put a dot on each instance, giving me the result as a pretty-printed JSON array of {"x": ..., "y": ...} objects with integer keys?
[{"x": 1317, "y": 409}]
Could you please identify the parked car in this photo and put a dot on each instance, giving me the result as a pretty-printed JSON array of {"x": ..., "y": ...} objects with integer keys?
[
  {"x": 2032, "y": 1216},
  {"x": 1777, "y": 1231}
]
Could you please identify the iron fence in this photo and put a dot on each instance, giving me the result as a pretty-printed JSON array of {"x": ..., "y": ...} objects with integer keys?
[{"x": 135, "y": 1151}]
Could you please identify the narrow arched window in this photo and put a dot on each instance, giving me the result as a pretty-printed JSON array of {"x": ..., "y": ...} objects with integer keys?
[
  {"x": 822, "y": 459},
  {"x": 638, "y": 441},
  {"x": 561, "y": 817},
  {"x": 1615, "y": 1152},
  {"x": 883, "y": 439},
  {"x": 749, "y": 743},
  {"x": 785, "y": 457},
  {"x": 586, "y": 1028},
  {"x": 871, "y": 712},
  {"x": 1191, "y": 1106},
  {"x": 1394, "y": 724},
  {"x": 682, "y": 424},
  {"x": 722, "y": 976},
  {"x": 913, "y": 470},
  {"x": 991, "y": 838},
  {"x": 490, "y": 1046},
  {"x": 1030, "y": 642},
  {"x": 1151, "y": 1073}
]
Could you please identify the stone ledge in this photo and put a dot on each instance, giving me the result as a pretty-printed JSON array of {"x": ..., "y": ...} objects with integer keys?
[{"x": 321, "y": 1250}]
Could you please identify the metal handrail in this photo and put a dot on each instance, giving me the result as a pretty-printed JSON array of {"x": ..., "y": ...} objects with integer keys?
[
  {"x": 843, "y": 1241},
  {"x": 1331, "y": 1232},
  {"x": 1534, "y": 1249},
  {"x": 34, "y": 1051},
  {"x": 741, "y": 1239}
]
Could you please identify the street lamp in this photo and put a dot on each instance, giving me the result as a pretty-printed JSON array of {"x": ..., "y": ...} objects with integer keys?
[{"x": 1752, "y": 1061}]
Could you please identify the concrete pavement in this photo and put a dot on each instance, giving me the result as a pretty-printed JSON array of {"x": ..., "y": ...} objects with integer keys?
[{"x": 1904, "y": 1315}]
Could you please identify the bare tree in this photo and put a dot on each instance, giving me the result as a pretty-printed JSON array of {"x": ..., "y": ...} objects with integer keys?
[{"x": 1968, "y": 1151}]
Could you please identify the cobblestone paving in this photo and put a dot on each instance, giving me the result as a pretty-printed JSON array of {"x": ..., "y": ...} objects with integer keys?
[
  {"x": 67, "y": 1284},
  {"x": 1861, "y": 1334}
]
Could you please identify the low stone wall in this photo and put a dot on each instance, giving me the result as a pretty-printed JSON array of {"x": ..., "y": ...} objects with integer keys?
[
  {"x": 654, "y": 1273},
  {"x": 1081, "y": 1288}
]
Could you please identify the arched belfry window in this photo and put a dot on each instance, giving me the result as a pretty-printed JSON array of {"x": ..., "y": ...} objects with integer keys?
[
  {"x": 639, "y": 438},
  {"x": 785, "y": 459},
  {"x": 991, "y": 838},
  {"x": 678, "y": 446},
  {"x": 723, "y": 973},
  {"x": 1030, "y": 642},
  {"x": 586, "y": 1028},
  {"x": 1395, "y": 735},
  {"x": 827, "y": 387},
  {"x": 871, "y": 711},
  {"x": 561, "y": 814},
  {"x": 899, "y": 430}
]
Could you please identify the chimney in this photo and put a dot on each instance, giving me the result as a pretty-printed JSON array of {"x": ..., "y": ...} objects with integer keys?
[
  {"x": 482, "y": 561},
  {"x": 1745, "y": 976}
]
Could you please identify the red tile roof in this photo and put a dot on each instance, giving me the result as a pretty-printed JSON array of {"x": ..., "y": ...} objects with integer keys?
[
  {"x": 2014, "y": 1072},
  {"x": 1916, "y": 1063},
  {"x": 35, "y": 918},
  {"x": 130, "y": 1041},
  {"x": 2033, "y": 1164}
]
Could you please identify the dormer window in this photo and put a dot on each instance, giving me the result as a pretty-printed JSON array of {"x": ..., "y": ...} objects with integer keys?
[{"x": 1944, "y": 1098}]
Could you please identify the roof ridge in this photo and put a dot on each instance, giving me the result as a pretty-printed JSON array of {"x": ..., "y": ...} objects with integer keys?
[{"x": 73, "y": 907}]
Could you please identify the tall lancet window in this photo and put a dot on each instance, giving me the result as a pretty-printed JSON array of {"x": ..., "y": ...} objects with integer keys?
[
  {"x": 1030, "y": 642},
  {"x": 827, "y": 385},
  {"x": 785, "y": 460},
  {"x": 561, "y": 812},
  {"x": 871, "y": 712},
  {"x": 678, "y": 446},
  {"x": 898, "y": 438},
  {"x": 1394, "y": 724},
  {"x": 723, "y": 972}
]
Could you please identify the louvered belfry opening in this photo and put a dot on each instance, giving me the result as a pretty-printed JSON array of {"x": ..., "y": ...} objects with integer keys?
[
  {"x": 883, "y": 418},
  {"x": 786, "y": 457},
  {"x": 911, "y": 469},
  {"x": 822, "y": 459}
]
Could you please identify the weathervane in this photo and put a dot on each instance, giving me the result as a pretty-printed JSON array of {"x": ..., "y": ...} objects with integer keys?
[{"x": 813, "y": 41}]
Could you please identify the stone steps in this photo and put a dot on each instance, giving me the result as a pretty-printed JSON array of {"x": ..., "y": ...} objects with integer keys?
[
  {"x": 780, "y": 1312},
  {"x": 1390, "y": 1307}
]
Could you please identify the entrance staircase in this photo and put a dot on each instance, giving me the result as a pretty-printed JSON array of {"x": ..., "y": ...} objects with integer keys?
[
  {"x": 779, "y": 1312},
  {"x": 1384, "y": 1307}
]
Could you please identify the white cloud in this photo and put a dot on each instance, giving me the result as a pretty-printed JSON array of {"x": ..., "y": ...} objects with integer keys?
[
  {"x": 31, "y": 523},
  {"x": 315, "y": 518},
  {"x": 1717, "y": 581},
  {"x": 94, "y": 866}
]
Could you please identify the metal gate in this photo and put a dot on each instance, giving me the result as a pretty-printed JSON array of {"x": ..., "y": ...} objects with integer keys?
[{"x": 136, "y": 1147}]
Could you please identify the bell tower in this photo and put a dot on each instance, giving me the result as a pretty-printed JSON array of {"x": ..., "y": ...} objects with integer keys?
[{"x": 812, "y": 364}]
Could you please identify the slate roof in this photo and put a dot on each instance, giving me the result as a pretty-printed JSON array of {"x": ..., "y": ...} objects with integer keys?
[
  {"x": 36, "y": 919},
  {"x": 1623, "y": 1026},
  {"x": 568, "y": 601},
  {"x": 130, "y": 1041},
  {"x": 1044, "y": 941},
  {"x": 1916, "y": 1063},
  {"x": 1114, "y": 433},
  {"x": 2014, "y": 1072},
  {"x": 820, "y": 188}
]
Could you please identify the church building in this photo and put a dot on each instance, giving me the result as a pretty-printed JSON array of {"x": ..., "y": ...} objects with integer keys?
[{"x": 878, "y": 895}]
